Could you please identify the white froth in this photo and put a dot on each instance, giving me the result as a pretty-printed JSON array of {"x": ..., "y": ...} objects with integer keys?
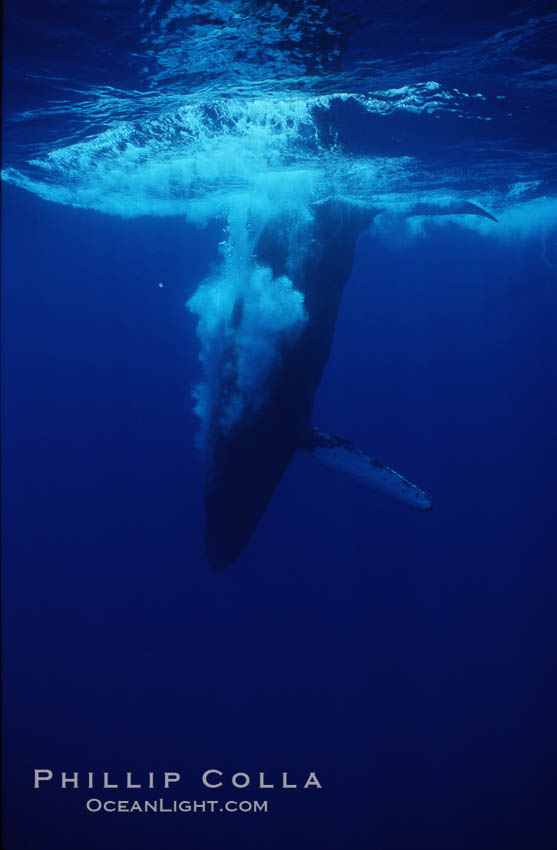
[{"x": 245, "y": 161}]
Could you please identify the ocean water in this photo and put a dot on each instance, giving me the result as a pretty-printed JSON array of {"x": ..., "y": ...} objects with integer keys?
[{"x": 407, "y": 658}]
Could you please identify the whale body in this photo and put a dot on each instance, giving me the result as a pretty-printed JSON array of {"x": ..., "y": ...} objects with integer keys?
[{"x": 246, "y": 459}]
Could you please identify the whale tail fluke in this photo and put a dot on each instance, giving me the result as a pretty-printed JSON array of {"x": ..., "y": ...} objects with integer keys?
[{"x": 341, "y": 454}]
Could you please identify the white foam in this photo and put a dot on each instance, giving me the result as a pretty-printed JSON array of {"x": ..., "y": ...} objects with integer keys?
[
  {"x": 243, "y": 312},
  {"x": 246, "y": 160},
  {"x": 192, "y": 160}
]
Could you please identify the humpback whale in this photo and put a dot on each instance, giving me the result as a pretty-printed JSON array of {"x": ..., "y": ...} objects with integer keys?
[{"x": 246, "y": 456}]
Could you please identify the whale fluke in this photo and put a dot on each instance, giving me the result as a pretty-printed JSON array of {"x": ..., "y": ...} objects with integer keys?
[{"x": 342, "y": 454}]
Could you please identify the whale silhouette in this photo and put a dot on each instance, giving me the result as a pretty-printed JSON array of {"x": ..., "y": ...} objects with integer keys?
[{"x": 246, "y": 459}]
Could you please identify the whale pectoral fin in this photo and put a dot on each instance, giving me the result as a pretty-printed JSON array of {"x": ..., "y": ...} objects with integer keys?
[
  {"x": 341, "y": 454},
  {"x": 448, "y": 208},
  {"x": 364, "y": 214}
]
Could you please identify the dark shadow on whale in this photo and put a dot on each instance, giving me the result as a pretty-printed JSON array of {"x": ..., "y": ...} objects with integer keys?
[{"x": 246, "y": 460}]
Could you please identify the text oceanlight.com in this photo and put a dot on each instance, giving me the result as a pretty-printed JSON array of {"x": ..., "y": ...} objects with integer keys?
[{"x": 177, "y": 806}]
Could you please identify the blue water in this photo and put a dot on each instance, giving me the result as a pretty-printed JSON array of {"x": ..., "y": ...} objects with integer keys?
[{"x": 408, "y": 659}]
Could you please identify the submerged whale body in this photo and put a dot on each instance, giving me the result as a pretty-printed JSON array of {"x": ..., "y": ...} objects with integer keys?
[{"x": 247, "y": 457}]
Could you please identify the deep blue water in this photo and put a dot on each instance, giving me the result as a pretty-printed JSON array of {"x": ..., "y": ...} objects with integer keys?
[{"x": 408, "y": 659}]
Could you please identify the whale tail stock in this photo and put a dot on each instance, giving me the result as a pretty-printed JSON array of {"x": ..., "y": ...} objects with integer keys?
[{"x": 338, "y": 453}]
